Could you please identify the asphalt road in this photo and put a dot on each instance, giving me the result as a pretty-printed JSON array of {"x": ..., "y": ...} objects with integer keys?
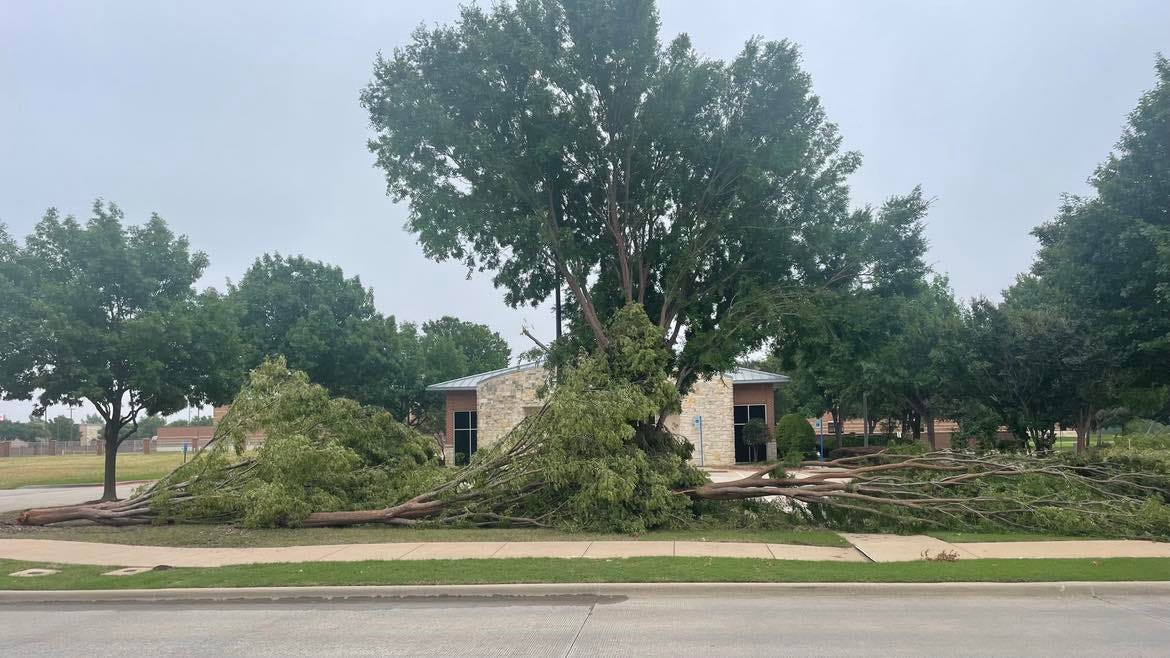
[
  {"x": 795, "y": 623},
  {"x": 12, "y": 500}
]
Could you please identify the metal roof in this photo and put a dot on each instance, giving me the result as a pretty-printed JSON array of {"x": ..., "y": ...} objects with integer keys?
[
  {"x": 753, "y": 376},
  {"x": 470, "y": 382}
]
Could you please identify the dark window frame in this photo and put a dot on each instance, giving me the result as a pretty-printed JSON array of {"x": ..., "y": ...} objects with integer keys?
[{"x": 464, "y": 429}]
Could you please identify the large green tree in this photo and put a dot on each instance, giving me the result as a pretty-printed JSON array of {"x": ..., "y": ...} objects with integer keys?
[
  {"x": 561, "y": 143},
  {"x": 109, "y": 314},
  {"x": 1106, "y": 258},
  {"x": 842, "y": 339},
  {"x": 325, "y": 324}
]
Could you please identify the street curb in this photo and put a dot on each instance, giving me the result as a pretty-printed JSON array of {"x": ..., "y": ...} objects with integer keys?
[{"x": 607, "y": 592}]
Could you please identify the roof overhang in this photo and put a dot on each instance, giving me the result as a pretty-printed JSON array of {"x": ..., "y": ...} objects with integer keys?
[{"x": 471, "y": 382}]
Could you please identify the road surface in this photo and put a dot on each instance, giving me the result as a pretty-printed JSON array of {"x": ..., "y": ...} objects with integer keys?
[
  {"x": 12, "y": 500},
  {"x": 714, "y": 624}
]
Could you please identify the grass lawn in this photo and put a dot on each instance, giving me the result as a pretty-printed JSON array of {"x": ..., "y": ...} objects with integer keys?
[
  {"x": 961, "y": 537},
  {"x": 83, "y": 469},
  {"x": 230, "y": 536},
  {"x": 629, "y": 570}
]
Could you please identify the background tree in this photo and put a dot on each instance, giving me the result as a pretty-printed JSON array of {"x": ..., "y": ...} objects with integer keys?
[
  {"x": 195, "y": 421},
  {"x": 110, "y": 315},
  {"x": 561, "y": 143},
  {"x": 61, "y": 428},
  {"x": 1107, "y": 258},
  {"x": 1018, "y": 366},
  {"x": 325, "y": 324},
  {"x": 148, "y": 427},
  {"x": 11, "y": 430},
  {"x": 840, "y": 341}
]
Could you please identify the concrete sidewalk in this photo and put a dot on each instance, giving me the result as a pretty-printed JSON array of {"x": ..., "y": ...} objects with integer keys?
[
  {"x": 67, "y": 552},
  {"x": 876, "y": 548}
]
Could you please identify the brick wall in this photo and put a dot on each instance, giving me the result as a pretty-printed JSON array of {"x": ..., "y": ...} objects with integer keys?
[
  {"x": 504, "y": 401},
  {"x": 456, "y": 401}
]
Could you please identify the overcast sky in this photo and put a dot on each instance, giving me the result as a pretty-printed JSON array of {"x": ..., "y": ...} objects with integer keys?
[{"x": 239, "y": 122}]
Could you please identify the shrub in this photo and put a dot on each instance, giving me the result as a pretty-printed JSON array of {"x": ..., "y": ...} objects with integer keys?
[
  {"x": 755, "y": 436},
  {"x": 795, "y": 435}
]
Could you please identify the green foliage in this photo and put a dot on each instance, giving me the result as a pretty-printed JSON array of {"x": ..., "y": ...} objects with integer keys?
[
  {"x": 1124, "y": 494},
  {"x": 594, "y": 458},
  {"x": 148, "y": 426},
  {"x": 109, "y": 314},
  {"x": 606, "y": 467},
  {"x": 755, "y": 432},
  {"x": 195, "y": 421},
  {"x": 755, "y": 436},
  {"x": 1108, "y": 256},
  {"x": 326, "y": 325},
  {"x": 546, "y": 141},
  {"x": 320, "y": 454},
  {"x": 794, "y": 435}
]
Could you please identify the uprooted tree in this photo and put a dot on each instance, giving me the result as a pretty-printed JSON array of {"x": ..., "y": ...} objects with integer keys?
[{"x": 585, "y": 461}]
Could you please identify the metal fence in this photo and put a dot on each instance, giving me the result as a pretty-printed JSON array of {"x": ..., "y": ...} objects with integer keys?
[{"x": 58, "y": 448}]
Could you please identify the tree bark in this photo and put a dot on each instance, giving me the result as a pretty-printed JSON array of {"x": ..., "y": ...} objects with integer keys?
[
  {"x": 110, "y": 478},
  {"x": 1084, "y": 426}
]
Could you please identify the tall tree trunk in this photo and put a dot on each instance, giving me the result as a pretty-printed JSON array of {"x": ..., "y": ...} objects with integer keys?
[
  {"x": 110, "y": 480},
  {"x": 837, "y": 425},
  {"x": 1084, "y": 426},
  {"x": 929, "y": 416}
]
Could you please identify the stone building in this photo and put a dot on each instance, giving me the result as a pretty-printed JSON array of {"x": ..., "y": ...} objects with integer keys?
[{"x": 482, "y": 408}]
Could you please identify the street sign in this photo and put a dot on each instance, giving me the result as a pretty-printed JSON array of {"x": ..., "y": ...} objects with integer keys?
[
  {"x": 699, "y": 426},
  {"x": 818, "y": 424}
]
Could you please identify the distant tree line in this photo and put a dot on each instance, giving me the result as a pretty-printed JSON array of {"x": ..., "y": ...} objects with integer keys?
[
  {"x": 1080, "y": 341},
  {"x": 109, "y": 314}
]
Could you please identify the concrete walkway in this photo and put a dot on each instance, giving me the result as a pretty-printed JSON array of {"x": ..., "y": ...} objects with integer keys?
[
  {"x": 15, "y": 500},
  {"x": 876, "y": 548},
  {"x": 68, "y": 552}
]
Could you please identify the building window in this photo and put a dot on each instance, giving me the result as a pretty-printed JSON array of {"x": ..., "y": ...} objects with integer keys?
[
  {"x": 743, "y": 414},
  {"x": 466, "y": 429}
]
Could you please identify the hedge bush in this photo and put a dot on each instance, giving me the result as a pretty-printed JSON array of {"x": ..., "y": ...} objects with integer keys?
[{"x": 795, "y": 435}]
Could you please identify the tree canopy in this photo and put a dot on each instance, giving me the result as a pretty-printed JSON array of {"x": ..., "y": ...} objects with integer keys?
[
  {"x": 562, "y": 143},
  {"x": 325, "y": 324},
  {"x": 109, "y": 314},
  {"x": 1107, "y": 257}
]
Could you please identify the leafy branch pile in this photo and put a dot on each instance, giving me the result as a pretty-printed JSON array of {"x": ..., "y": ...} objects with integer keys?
[
  {"x": 597, "y": 457},
  {"x": 1115, "y": 493}
]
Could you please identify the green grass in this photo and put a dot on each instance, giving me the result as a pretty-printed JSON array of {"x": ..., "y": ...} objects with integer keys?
[
  {"x": 969, "y": 537},
  {"x": 83, "y": 469},
  {"x": 231, "y": 536},
  {"x": 629, "y": 570}
]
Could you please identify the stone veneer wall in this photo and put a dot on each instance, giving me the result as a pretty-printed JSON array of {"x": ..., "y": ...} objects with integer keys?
[
  {"x": 713, "y": 400},
  {"x": 504, "y": 401}
]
